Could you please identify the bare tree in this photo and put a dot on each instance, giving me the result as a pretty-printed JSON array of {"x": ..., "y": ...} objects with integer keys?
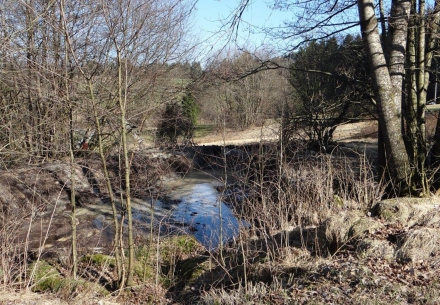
[
  {"x": 404, "y": 49},
  {"x": 246, "y": 98},
  {"x": 140, "y": 34},
  {"x": 116, "y": 58},
  {"x": 33, "y": 65}
]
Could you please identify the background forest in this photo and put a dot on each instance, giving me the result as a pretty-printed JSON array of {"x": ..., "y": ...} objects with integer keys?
[{"x": 64, "y": 65}]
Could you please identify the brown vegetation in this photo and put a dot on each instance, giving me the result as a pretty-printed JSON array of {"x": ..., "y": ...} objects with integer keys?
[{"x": 318, "y": 234}]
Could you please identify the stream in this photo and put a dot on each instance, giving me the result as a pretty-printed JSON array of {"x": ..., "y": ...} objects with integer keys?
[
  {"x": 196, "y": 209},
  {"x": 192, "y": 206}
]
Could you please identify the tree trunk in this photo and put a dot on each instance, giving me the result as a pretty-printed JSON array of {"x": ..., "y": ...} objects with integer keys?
[
  {"x": 422, "y": 88},
  {"x": 385, "y": 92},
  {"x": 432, "y": 41},
  {"x": 398, "y": 35},
  {"x": 98, "y": 128},
  {"x": 73, "y": 201},
  {"x": 123, "y": 106},
  {"x": 117, "y": 240}
]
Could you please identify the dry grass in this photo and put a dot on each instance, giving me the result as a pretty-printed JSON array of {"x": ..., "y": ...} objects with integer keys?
[
  {"x": 409, "y": 212},
  {"x": 252, "y": 294},
  {"x": 369, "y": 256},
  {"x": 311, "y": 239},
  {"x": 337, "y": 229},
  {"x": 375, "y": 249},
  {"x": 419, "y": 245},
  {"x": 12, "y": 254}
]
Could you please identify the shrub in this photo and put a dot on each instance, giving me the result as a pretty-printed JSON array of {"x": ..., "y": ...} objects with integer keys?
[
  {"x": 175, "y": 123},
  {"x": 190, "y": 108}
]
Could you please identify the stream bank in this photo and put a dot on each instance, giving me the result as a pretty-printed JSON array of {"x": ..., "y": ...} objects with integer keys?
[
  {"x": 165, "y": 187},
  {"x": 372, "y": 252}
]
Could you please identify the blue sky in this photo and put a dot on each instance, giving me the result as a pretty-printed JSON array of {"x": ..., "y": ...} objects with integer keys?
[
  {"x": 258, "y": 13},
  {"x": 211, "y": 14}
]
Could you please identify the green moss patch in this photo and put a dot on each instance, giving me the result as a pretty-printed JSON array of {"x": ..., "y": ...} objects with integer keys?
[
  {"x": 191, "y": 269},
  {"x": 45, "y": 277},
  {"x": 71, "y": 288},
  {"x": 178, "y": 247},
  {"x": 99, "y": 260}
]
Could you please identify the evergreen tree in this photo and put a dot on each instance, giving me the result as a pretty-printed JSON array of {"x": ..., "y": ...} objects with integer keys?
[
  {"x": 328, "y": 80},
  {"x": 178, "y": 121}
]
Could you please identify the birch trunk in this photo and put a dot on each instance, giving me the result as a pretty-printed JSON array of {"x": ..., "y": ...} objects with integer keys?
[{"x": 385, "y": 93}]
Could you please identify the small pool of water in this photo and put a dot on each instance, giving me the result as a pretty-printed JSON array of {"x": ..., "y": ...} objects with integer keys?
[{"x": 200, "y": 212}]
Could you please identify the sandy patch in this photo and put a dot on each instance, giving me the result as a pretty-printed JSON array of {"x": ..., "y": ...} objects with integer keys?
[{"x": 361, "y": 131}]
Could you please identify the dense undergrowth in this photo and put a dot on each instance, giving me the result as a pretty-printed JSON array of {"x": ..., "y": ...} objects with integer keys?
[{"x": 318, "y": 232}]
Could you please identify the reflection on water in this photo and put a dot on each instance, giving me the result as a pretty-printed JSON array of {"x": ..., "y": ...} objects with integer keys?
[
  {"x": 191, "y": 206},
  {"x": 205, "y": 216},
  {"x": 201, "y": 212}
]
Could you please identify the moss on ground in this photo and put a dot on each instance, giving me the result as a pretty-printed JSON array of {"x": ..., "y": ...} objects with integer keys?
[
  {"x": 99, "y": 260},
  {"x": 192, "y": 268},
  {"x": 45, "y": 277},
  {"x": 74, "y": 287},
  {"x": 183, "y": 245}
]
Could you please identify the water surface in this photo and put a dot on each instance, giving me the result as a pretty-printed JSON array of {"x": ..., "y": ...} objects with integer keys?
[{"x": 200, "y": 211}]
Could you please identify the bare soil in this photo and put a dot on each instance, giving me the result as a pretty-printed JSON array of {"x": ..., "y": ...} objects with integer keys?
[{"x": 355, "y": 132}]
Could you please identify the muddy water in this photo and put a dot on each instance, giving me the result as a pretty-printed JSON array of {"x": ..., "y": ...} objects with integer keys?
[{"x": 196, "y": 208}]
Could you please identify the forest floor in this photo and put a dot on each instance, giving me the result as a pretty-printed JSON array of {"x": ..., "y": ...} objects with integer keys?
[{"x": 388, "y": 253}]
